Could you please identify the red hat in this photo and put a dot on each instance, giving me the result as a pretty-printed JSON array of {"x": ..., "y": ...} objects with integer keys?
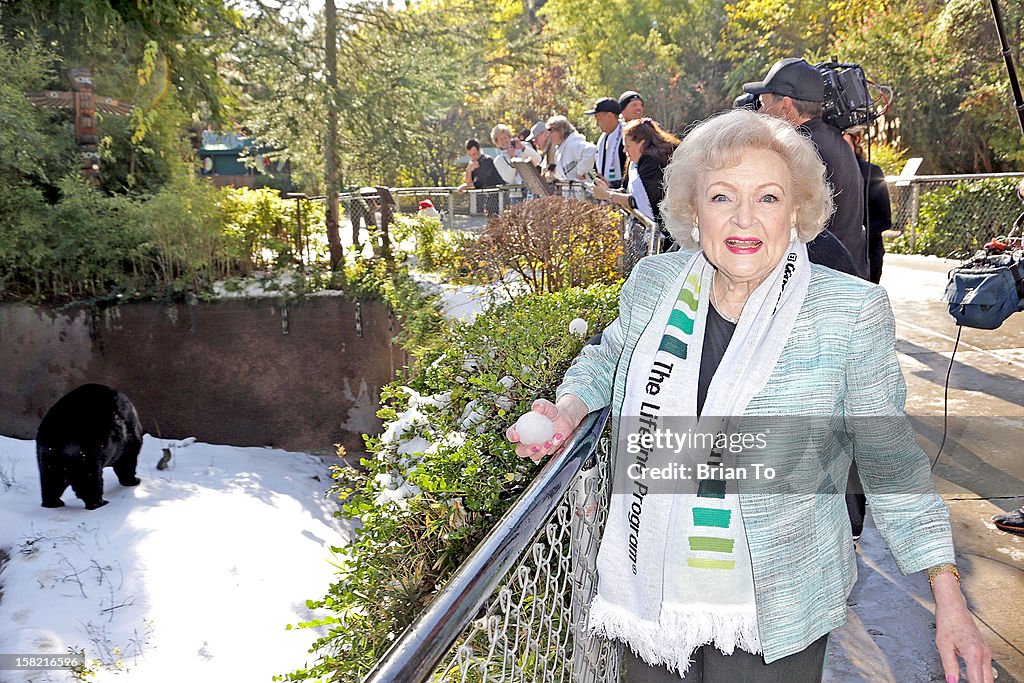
[{"x": 426, "y": 204}]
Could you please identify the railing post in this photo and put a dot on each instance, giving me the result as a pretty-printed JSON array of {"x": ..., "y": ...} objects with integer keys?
[{"x": 915, "y": 205}]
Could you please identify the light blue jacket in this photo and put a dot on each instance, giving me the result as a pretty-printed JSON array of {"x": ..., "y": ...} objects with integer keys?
[{"x": 839, "y": 364}]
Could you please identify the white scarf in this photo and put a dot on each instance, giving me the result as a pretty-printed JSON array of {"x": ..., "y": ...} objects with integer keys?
[{"x": 674, "y": 567}]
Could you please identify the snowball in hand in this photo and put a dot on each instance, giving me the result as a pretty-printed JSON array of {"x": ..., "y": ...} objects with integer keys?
[
  {"x": 578, "y": 326},
  {"x": 534, "y": 428}
]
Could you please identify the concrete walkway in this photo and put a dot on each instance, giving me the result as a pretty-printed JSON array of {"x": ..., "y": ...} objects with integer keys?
[{"x": 890, "y": 632}]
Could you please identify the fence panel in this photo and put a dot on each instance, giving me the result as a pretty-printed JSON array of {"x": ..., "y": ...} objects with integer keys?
[
  {"x": 517, "y": 610},
  {"x": 907, "y": 194},
  {"x": 534, "y": 628}
]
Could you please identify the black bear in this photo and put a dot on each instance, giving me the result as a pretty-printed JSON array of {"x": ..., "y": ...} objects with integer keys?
[{"x": 89, "y": 428}]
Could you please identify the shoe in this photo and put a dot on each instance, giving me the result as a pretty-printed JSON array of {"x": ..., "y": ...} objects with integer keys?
[{"x": 1012, "y": 522}]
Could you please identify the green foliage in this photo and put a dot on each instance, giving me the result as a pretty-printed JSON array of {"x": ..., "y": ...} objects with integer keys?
[
  {"x": 84, "y": 247},
  {"x": 417, "y": 312},
  {"x": 263, "y": 228},
  {"x": 442, "y": 473},
  {"x": 668, "y": 51},
  {"x": 435, "y": 248},
  {"x": 958, "y": 220},
  {"x": 168, "y": 245},
  {"x": 124, "y": 43},
  {"x": 889, "y": 158},
  {"x": 183, "y": 243}
]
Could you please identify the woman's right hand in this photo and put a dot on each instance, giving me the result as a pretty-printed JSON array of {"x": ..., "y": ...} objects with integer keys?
[{"x": 566, "y": 417}]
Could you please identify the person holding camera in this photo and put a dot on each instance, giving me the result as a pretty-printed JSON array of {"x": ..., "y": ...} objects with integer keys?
[
  {"x": 511, "y": 149},
  {"x": 794, "y": 90},
  {"x": 539, "y": 140}
]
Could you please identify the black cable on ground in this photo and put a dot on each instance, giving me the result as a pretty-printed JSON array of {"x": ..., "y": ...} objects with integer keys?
[{"x": 945, "y": 396}]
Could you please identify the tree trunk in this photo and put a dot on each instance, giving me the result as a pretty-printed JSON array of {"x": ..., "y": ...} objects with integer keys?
[{"x": 333, "y": 232}]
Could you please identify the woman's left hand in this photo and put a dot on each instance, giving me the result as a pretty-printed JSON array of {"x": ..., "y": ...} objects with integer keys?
[
  {"x": 956, "y": 635},
  {"x": 601, "y": 189}
]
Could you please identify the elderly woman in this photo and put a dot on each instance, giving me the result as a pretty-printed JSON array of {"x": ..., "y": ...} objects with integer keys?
[
  {"x": 704, "y": 576},
  {"x": 511, "y": 149},
  {"x": 575, "y": 156}
]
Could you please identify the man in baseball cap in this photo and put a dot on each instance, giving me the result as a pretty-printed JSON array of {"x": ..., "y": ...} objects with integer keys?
[
  {"x": 611, "y": 156},
  {"x": 791, "y": 77},
  {"x": 794, "y": 90},
  {"x": 605, "y": 105}
]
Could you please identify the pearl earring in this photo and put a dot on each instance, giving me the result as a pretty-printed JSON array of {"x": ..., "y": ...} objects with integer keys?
[
  {"x": 793, "y": 234},
  {"x": 695, "y": 233}
]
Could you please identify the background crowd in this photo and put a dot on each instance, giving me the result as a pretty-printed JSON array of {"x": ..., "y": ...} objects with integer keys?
[{"x": 626, "y": 165}]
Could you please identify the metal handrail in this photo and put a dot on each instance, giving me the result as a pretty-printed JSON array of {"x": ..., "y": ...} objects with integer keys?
[
  {"x": 422, "y": 646},
  {"x": 950, "y": 178}
]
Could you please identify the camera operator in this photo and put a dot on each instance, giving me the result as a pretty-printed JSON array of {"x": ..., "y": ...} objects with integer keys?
[{"x": 794, "y": 90}]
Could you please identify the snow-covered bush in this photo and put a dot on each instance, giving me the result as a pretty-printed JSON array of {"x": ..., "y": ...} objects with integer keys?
[{"x": 442, "y": 473}]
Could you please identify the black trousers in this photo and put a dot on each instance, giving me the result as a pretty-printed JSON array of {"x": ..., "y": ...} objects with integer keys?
[{"x": 711, "y": 666}]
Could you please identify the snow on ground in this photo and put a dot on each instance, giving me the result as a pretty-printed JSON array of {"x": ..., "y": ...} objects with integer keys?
[
  {"x": 191, "y": 576},
  {"x": 465, "y": 302}
]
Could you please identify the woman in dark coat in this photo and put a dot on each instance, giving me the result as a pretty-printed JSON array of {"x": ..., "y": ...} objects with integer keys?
[{"x": 649, "y": 147}]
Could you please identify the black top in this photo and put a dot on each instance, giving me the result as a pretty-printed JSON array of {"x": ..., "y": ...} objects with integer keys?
[
  {"x": 879, "y": 216},
  {"x": 652, "y": 173},
  {"x": 717, "y": 334},
  {"x": 826, "y": 250},
  {"x": 879, "y": 209},
  {"x": 843, "y": 172},
  {"x": 486, "y": 175}
]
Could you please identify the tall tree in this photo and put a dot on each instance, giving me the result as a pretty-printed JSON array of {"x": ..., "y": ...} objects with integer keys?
[{"x": 331, "y": 153}]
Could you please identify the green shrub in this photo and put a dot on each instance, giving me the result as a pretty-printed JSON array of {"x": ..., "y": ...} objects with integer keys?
[
  {"x": 83, "y": 247},
  {"x": 184, "y": 247},
  {"x": 436, "y": 248},
  {"x": 959, "y": 219},
  {"x": 442, "y": 473},
  {"x": 263, "y": 230},
  {"x": 178, "y": 241},
  {"x": 890, "y": 158},
  {"x": 417, "y": 311}
]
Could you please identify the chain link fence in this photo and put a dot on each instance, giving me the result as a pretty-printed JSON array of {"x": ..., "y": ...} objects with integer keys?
[
  {"x": 948, "y": 214},
  {"x": 517, "y": 611},
  {"x": 534, "y": 628}
]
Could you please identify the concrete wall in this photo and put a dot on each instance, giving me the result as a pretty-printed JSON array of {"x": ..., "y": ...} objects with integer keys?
[{"x": 299, "y": 376}]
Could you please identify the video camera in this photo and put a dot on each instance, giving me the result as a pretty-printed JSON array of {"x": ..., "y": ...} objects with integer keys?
[{"x": 847, "y": 102}]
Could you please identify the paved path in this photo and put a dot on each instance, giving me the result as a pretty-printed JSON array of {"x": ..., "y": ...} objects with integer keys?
[{"x": 890, "y": 632}]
